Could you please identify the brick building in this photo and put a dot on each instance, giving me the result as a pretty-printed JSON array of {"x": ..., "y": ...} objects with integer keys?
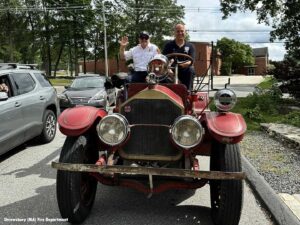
[{"x": 261, "y": 56}]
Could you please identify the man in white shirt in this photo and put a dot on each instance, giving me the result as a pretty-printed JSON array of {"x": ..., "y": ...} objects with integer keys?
[{"x": 140, "y": 54}]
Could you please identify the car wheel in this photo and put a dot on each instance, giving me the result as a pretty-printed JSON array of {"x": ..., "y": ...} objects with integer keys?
[
  {"x": 49, "y": 127},
  {"x": 226, "y": 195},
  {"x": 76, "y": 190}
]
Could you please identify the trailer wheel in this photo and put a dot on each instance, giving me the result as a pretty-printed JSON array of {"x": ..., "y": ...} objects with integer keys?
[
  {"x": 226, "y": 195},
  {"x": 76, "y": 190}
]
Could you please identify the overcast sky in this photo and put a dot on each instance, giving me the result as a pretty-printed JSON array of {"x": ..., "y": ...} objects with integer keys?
[{"x": 204, "y": 16}]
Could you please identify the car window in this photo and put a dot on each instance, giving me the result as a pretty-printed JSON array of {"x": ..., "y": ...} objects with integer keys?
[
  {"x": 88, "y": 82},
  {"x": 42, "y": 80},
  {"x": 24, "y": 82}
]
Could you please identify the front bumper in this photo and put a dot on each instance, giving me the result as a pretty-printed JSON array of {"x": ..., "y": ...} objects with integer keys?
[
  {"x": 98, "y": 104},
  {"x": 169, "y": 172}
]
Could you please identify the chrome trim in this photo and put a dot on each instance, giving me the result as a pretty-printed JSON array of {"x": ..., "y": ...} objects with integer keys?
[
  {"x": 225, "y": 99},
  {"x": 187, "y": 117},
  {"x": 123, "y": 121}
]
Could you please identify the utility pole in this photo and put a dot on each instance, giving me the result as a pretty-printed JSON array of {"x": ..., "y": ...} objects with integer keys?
[{"x": 105, "y": 43}]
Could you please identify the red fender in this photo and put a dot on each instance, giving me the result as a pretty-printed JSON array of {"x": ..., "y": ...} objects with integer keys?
[
  {"x": 226, "y": 127},
  {"x": 75, "y": 121}
]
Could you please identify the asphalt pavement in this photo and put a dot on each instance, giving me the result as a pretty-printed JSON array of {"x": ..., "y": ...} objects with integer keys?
[{"x": 28, "y": 193}]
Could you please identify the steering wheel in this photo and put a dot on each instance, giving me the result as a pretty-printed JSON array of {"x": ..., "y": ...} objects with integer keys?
[{"x": 185, "y": 56}]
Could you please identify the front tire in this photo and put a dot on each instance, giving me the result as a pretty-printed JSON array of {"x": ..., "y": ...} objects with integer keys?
[
  {"x": 226, "y": 195},
  {"x": 49, "y": 127},
  {"x": 76, "y": 190}
]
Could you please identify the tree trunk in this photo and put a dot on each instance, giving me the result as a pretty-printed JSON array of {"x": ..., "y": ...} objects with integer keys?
[
  {"x": 95, "y": 52},
  {"x": 48, "y": 47},
  {"x": 58, "y": 57},
  {"x": 84, "y": 54}
]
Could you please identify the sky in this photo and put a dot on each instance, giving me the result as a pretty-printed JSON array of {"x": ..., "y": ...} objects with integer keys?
[{"x": 203, "y": 16}]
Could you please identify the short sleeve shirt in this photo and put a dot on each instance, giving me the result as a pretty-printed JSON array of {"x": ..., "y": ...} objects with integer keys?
[
  {"x": 141, "y": 56},
  {"x": 172, "y": 47}
]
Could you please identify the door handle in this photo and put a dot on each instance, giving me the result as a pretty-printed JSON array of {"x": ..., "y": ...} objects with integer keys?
[
  {"x": 42, "y": 98},
  {"x": 17, "y": 104}
]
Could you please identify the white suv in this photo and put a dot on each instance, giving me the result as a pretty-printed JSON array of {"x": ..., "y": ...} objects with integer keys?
[{"x": 29, "y": 109}]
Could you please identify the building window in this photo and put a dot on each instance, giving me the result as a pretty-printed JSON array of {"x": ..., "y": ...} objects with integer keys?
[{"x": 251, "y": 71}]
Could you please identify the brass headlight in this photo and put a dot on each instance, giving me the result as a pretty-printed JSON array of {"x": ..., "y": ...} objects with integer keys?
[
  {"x": 187, "y": 131},
  {"x": 113, "y": 129}
]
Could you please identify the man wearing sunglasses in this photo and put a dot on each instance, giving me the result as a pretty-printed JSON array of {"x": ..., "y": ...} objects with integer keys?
[{"x": 140, "y": 54}]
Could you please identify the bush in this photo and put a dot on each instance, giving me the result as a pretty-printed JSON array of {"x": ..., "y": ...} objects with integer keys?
[
  {"x": 293, "y": 118},
  {"x": 288, "y": 71},
  {"x": 266, "y": 100},
  {"x": 254, "y": 114}
]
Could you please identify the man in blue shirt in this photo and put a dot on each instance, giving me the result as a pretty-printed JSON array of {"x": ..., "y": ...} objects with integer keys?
[{"x": 186, "y": 70}]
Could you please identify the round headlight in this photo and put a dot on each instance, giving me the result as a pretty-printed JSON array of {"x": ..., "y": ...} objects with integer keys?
[
  {"x": 225, "y": 99},
  {"x": 187, "y": 131},
  {"x": 113, "y": 129}
]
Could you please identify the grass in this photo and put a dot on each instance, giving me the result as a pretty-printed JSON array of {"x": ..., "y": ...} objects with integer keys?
[
  {"x": 267, "y": 83},
  {"x": 60, "y": 82},
  {"x": 267, "y": 107}
]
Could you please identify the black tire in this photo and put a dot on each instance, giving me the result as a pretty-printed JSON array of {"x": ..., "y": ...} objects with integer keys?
[
  {"x": 226, "y": 195},
  {"x": 49, "y": 127},
  {"x": 76, "y": 190}
]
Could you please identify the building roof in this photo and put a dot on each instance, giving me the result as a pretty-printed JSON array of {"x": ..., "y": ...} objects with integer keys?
[{"x": 258, "y": 52}]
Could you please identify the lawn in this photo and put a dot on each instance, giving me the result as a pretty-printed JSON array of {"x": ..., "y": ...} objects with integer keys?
[{"x": 60, "y": 81}]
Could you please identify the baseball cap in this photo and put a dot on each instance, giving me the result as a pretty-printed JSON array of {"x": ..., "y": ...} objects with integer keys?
[{"x": 144, "y": 34}]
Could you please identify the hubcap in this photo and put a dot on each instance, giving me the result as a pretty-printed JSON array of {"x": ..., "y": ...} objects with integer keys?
[{"x": 50, "y": 126}]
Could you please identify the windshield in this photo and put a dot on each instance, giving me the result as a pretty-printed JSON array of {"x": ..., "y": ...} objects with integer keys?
[{"x": 88, "y": 82}]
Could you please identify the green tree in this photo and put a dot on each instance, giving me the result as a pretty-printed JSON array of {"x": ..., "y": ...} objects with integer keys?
[
  {"x": 283, "y": 15},
  {"x": 158, "y": 17},
  {"x": 54, "y": 33},
  {"x": 234, "y": 55}
]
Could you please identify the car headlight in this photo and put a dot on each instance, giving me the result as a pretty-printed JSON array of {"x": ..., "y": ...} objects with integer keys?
[
  {"x": 113, "y": 129},
  {"x": 99, "y": 96},
  {"x": 225, "y": 99},
  {"x": 62, "y": 97},
  {"x": 187, "y": 131}
]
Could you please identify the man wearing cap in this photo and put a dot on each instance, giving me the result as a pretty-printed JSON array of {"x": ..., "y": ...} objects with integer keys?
[
  {"x": 140, "y": 54},
  {"x": 186, "y": 70}
]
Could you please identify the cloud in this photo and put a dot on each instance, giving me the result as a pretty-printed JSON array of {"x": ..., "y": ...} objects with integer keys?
[{"x": 204, "y": 22}]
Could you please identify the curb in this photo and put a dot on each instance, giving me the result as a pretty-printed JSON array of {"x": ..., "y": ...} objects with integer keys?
[
  {"x": 281, "y": 213},
  {"x": 283, "y": 132}
]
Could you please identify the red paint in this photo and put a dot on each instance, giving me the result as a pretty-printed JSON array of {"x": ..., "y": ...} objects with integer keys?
[
  {"x": 226, "y": 127},
  {"x": 171, "y": 185},
  {"x": 177, "y": 89},
  {"x": 77, "y": 120},
  {"x": 201, "y": 102},
  {"x": 167, "y": 91}
]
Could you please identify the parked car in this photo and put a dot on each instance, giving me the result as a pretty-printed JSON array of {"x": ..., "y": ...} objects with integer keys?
[
  {"x": 87, "y": 89},
  {"x": 151, "y": 142},
  {"x": 29, "y": 109}
]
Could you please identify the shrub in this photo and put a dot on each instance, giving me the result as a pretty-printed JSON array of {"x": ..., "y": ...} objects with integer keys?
[{"x": 292, "y": 118}]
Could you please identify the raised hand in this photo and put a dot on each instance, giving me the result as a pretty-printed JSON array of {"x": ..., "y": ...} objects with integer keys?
[{"x": 124, "y": 41}]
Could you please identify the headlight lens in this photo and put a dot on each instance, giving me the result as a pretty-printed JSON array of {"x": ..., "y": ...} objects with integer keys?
[
  {"x": 187, "y": 131},
  {"x": 62, "y": 97},
  {"x": 99, "y": 96},
  {"x": 113, "y": 129},
  {"x": 225, "y": 99}
]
